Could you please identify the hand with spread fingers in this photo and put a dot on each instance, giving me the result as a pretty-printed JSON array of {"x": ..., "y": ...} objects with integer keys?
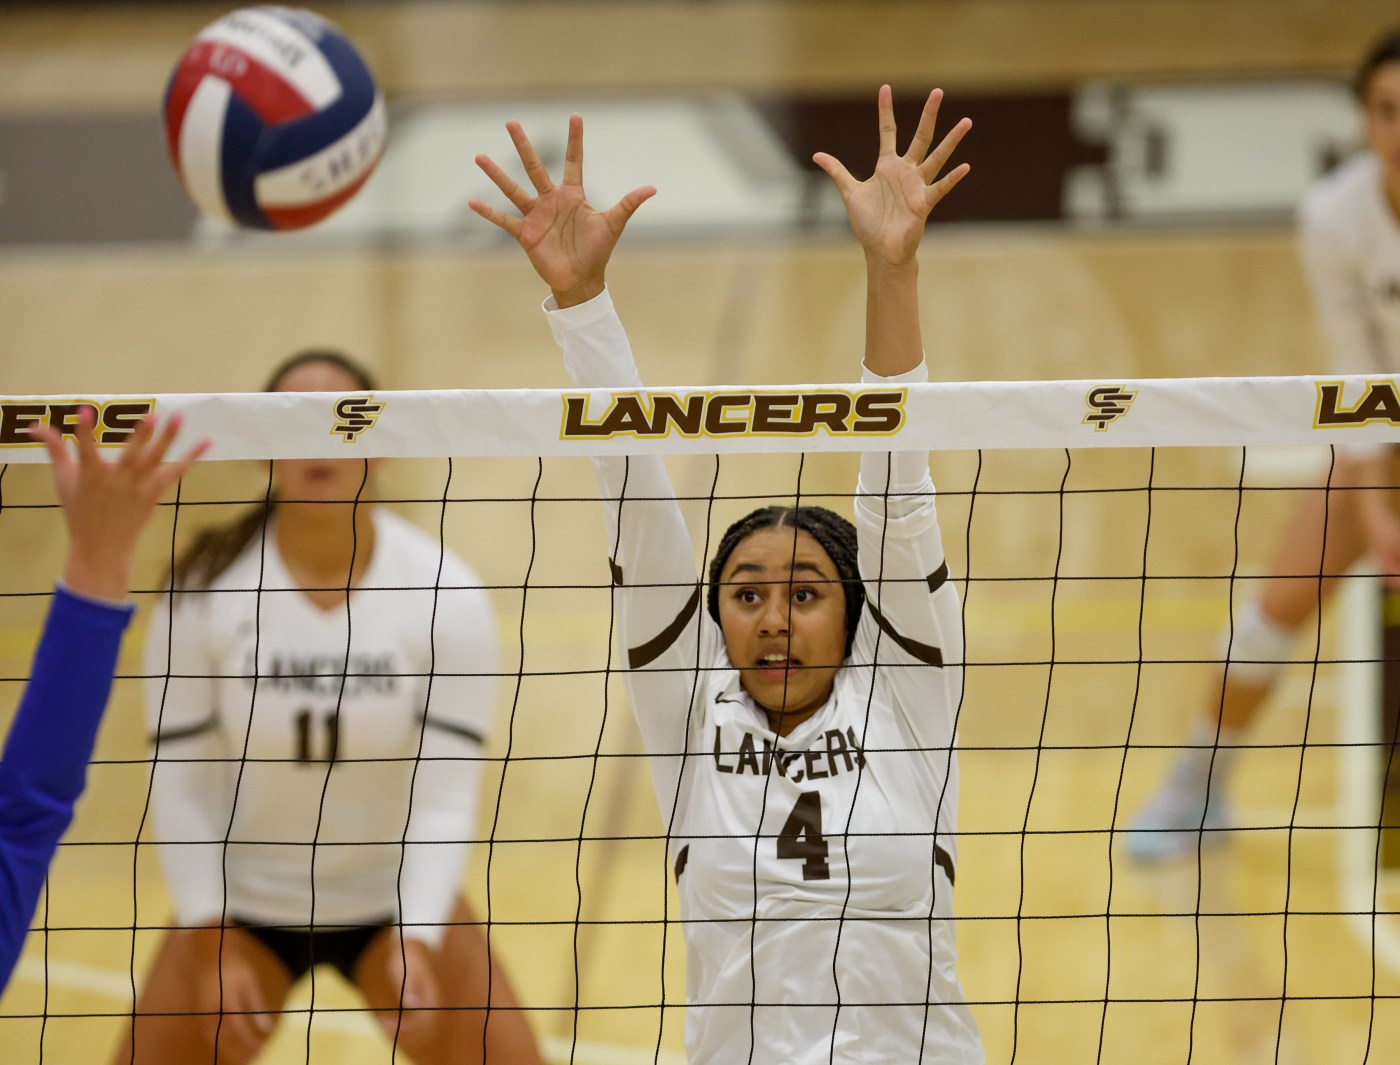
[
  {"x": 568, "y": 241},
  {"x": 107, "y": 504},
  {"x": 887, "y": 211}
]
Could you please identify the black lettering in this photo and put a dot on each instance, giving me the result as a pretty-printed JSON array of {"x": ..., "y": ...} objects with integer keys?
[
  {"x": 688, "y": 417},
  {"x": 627, "y": 416},
  {"x": 119, "y": 421},
  {"x": 715, "y": 425},
  {"x": 811, "y": 758},
  {"x": 767, "y": 756},
  {"x": 772, "y": 413},
  {"x": 1380, "y": 402},
  {"x": 718, "y": 753},
  {"x": 878, "y": 412},
  {"x": 15, "y": 420},
  {"x": 747, "y": 756},
  {"x": 836, "y": 746},
  {"x": 64, "y": 416},
  {"x": 830, "y": 409},
  {"x": 1327, "y": 412},
  {"x": 575, "y": 407},
  {"x": 855, "y": 746},
  {"x": 785, "y": 760},
  {"x": 801, "y": 837}
]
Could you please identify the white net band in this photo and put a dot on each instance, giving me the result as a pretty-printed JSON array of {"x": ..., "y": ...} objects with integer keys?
[{"x": 1195, "y": 412}]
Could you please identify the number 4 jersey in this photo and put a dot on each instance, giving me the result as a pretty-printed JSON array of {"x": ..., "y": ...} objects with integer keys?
[
  {"x": 815, "y": 870},
  {"x": 296, "y": 734}
]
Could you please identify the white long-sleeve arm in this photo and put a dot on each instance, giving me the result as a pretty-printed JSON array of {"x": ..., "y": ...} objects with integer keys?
[
  {"x": 913, "y": 615},
  {"x": 457, "y": 711},
  {"x": 661, "y": 618},
  {"x": 193, "y": 802}
]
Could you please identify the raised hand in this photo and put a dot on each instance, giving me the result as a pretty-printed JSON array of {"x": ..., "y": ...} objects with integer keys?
[
  {"x": 887, "y": 211},
  {"x": 567, "y": 240},
  {"x": 107, "y": 504}
]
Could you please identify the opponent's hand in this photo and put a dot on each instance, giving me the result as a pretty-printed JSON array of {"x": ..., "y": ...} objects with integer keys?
[
  {"x": 567, "y": 240},
  {"x": 411, "y": 975},
  {"x": 107, "y": 504},
  {"x": 229, "y": 997},
  {"x": 887, "y": 211}
]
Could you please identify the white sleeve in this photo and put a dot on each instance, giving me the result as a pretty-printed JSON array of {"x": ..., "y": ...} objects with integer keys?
[
  {"x": 1339, "y": 293},
  {"x": 189, "y": 784},
  {"x": 664, "y": 629},
  {"x": 912, "y": 620},
  {"x": 458, "y": 702}
]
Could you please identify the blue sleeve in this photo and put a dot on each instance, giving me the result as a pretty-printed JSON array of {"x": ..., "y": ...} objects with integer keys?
[{"x": 44, "y": 766}]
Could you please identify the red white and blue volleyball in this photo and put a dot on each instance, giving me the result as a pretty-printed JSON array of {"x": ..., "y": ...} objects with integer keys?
[{"x": 272, "y": 118}]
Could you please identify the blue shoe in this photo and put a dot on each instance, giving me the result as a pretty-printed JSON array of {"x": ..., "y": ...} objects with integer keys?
[{"x": 1189, "y": 811}]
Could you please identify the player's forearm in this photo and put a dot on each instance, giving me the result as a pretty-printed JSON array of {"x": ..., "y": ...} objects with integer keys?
[
  {"x": 46, "y": 754},
  {"x": 893, "y": 342},
  {"x": 56, "y": 726}
]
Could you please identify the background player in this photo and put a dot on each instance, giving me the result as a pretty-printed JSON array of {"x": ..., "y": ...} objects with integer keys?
[
  {"x": 44, "y": 766},
  {"x": 820, "y": 720},
  {"x": 1350, "y": 243},
  {"x": 322, "y": 687}
]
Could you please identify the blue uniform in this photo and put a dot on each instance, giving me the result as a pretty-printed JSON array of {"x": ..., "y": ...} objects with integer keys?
[{"x": 44, "y": 766}]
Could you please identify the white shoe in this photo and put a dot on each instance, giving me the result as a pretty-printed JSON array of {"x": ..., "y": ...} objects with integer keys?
[{"x": 1188, "y": 812}]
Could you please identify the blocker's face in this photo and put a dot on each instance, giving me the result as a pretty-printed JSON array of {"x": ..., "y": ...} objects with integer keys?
[
  {"x": 1382, "y": 108},
  {"x": 782, "y": 609},
  {"x": 319, "y": 480}
]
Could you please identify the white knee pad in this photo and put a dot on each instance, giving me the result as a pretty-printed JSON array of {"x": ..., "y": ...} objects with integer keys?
[{"x": 1257, "y": 647}]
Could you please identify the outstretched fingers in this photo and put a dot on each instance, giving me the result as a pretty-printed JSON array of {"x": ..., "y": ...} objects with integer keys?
[
  {"x": 622, "y": 211},
  {"x": 887, "y": 127},
  {"x": 923, "y": 135},
  {"x": 534, "y": 168},
  {"x": 52, "y": 440},
  {"x": 171, "y": 472},
  {"x": 503, "y": 181},
  {"x": 945, "y": 185},
  {"x": 573, "y": 151},
  {"x": 509, "y": 223},
  {"x": 930, "y": 167},
  {"x": 840, "y": 176}
]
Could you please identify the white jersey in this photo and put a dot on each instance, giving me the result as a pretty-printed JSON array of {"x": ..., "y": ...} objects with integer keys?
[
  {"x": 815, "y": 870},
  {"x": 1350, "y": 243},
  {"x": 290, "y": 737}
]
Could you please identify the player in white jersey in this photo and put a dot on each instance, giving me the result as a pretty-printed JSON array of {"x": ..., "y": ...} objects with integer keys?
[
  {"x": 318, "y": 698},
  {"x": 801, "y": 722},
  {"x": 1349, "y": 226}
]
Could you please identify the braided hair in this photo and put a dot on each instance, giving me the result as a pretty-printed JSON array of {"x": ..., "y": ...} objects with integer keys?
[
  {"x": 835, "y": 534},
  {"x": 215, "y": 549}
]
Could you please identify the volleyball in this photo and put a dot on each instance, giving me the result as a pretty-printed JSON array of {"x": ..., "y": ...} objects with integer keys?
[{"x": 272, "y": 119}]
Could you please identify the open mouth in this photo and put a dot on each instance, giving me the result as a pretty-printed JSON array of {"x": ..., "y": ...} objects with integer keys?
[{"x": 776, "y": 665}]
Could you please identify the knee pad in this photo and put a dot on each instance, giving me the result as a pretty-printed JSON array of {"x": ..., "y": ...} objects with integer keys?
[{"x": 1256, "y": 647}]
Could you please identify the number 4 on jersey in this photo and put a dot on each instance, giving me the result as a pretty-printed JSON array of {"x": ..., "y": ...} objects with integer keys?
[{"x": 802, "y": 839}]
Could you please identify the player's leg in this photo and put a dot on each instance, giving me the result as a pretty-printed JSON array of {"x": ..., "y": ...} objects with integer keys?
[
  {"x": 1323, "y": 539},
  {"x": 171, "y": 1024},
  {"x": 461, "y": 1028}
]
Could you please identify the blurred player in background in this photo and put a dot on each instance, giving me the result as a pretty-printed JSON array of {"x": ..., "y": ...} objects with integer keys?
[
  {"x": 44, "y": 766},
  {"x": 812, "y": 829},
  {"x": 321, "y": 687},
  {"x": 1350, "y": 243}
]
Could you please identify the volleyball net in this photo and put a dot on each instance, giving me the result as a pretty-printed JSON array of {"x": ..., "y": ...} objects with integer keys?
[{"x": 1102, "y": 535}]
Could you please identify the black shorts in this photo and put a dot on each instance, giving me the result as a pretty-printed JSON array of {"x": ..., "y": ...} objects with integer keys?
[{"x": 302, "y": 949}]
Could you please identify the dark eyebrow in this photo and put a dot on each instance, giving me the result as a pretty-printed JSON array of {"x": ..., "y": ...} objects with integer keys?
[{"x": 754, "y": 567}]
